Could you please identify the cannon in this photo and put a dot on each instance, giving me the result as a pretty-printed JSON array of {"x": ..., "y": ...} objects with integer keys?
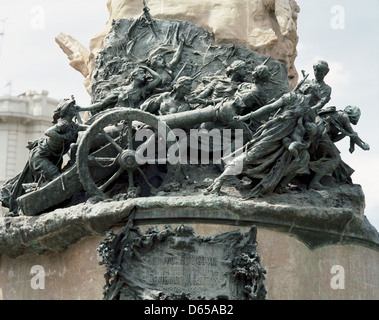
[{"x": 107, "y": 150}]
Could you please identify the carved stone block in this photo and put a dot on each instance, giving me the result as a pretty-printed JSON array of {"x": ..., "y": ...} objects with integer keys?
[{"x": 176, "y": 264}]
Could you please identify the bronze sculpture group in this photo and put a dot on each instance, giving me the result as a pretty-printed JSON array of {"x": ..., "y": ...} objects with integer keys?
[{"x": 287, "y": 134}]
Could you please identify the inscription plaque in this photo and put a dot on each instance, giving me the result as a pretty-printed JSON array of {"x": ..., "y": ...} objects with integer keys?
[{"x": 177, "y": 264}]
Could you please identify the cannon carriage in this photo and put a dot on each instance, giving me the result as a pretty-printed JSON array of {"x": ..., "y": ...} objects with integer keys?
[{"x": 107, "y": 153}]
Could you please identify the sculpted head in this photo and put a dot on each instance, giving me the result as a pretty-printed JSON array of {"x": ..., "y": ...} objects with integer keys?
[
  {"x": 157, "y": 61},
  {"x": 354, "y": 113},
  {"x": 137, "y": 74},
  {"x": 236, "y": 67},
  {"x": 65, "y": 107},
  {"x": 261, "y": 73},
  {"x": 321, "y": 69}
]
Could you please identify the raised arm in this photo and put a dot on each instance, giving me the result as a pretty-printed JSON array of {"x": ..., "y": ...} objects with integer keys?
[
  {"x": 175, "y": 59},
  {"x": 156, "y": 78}
]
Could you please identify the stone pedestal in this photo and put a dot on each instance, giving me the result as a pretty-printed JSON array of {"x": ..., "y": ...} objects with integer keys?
[{"x": 307, "y": 254}]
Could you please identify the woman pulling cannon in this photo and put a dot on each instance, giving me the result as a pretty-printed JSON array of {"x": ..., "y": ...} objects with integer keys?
[
  {"x": 268, "y": 156},
  {"x": 46, "y": 154}
]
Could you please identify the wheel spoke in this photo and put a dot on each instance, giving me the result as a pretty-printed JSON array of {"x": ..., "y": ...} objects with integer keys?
[
  {"x": 98, "y": 162},
  {"x": 130, "y": 177},
  {"x": 103, "y": 162},
  {"x": 130, "y": 135},
  {"x": 145, "y": 178},
  {"x": 111, "y": 179},
  {"x": 111, "y": 141}
]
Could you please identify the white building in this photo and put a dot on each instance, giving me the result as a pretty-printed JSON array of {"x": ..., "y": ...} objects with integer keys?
[{"x": 22, "y": 119}]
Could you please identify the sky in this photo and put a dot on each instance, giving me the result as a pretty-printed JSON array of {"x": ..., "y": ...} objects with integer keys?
[{"x": 344, "y": 33}]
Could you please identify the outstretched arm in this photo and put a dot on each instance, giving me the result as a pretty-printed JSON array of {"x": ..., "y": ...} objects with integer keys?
[
  {"x": 83, "y": 127},
  {"x": 207, "y": 90},
  {"x": 264, "y": 110},
  {"x": 101, "y": 104},
  {"x": 152, "y": 104},
  {"x": 59, "y": 131},
  {"x": 354, "y": 138}
]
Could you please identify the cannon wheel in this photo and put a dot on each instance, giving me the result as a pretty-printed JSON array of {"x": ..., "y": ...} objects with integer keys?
[{"x": 125, "y": 159}]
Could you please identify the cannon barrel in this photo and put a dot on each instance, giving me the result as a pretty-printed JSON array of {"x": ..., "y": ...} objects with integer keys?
[
  {"x": 188, "y": 119},
  {"x": 68, "y": 183}
]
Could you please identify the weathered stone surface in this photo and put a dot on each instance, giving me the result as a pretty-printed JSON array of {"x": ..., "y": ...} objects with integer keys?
[
  {"x": 81, "y": 58},
  {"x": 130, "y": 41},
  {"x": 294, "y": 271},
  {"x": 317, "y": 218},
  {"x": 56, "y": 231},
  {"x": 175, "y": 263},
  {"x": 268, "y": 27}
]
